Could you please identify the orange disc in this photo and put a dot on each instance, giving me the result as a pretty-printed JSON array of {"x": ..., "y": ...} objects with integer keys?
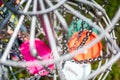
[{"x": 74, "y": 43}]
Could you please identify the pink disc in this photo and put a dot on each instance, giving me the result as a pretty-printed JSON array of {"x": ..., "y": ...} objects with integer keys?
[{"x": 43, "y": 51}]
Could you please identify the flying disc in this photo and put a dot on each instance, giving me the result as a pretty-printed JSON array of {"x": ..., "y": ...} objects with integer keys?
[
  {"x": 74, "y": 43},
  {"x": 43, "y": 51},
  {"x": 75, "y": 26},
  {"x": 75, "y": 71}
]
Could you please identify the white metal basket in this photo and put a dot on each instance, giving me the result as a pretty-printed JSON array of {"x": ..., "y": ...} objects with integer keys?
[{"x": 51, "y": 19}]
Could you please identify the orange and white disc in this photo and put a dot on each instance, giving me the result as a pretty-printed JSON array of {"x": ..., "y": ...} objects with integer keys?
[{"x": 74, "y": 42}]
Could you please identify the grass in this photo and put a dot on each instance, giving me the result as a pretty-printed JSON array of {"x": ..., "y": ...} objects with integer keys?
[{"x": 111, "y": 8}]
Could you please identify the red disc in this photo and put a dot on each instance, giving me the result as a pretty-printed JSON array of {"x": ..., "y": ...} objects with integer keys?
[{"x": 74, "y": 43}]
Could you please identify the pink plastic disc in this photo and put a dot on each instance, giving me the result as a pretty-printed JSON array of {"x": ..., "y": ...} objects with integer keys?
[{"x": 43, "y": 51}]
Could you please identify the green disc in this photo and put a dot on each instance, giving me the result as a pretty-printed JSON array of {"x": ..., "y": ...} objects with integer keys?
[{"x": 76, "y": 25}]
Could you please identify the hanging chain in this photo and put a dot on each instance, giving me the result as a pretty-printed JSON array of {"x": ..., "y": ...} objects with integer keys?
[
  {"x": 64, "y": 44},
  {"x": 85, "y": 38},
  {"x": 81, "y": 29},
  {"x": 79, "y": 34},
  {"x": 93, "y": 60},
  {"x": 64, "y": 38}
]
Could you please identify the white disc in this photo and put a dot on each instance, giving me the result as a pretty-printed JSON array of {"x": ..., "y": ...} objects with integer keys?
[{"x": 76, "y": 71}]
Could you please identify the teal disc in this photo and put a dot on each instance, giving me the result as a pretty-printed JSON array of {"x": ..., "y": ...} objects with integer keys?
[{"x": 76, "y": 25}]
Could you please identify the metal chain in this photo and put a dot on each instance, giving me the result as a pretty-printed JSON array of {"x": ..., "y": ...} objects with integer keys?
[
  {"x": 64, "y": 38},
  {"x": 79, "y": 34},
  {"x": 64, "y": 44},
  {"x": 64, "y": 41},
  {"x": 93, "y": 60},
  {"x": 90, "y": 60},
  {"x": 85, "y": 38}
]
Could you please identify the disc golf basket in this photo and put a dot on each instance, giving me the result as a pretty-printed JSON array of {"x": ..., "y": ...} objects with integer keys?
[{"x": 56, "y": 39}]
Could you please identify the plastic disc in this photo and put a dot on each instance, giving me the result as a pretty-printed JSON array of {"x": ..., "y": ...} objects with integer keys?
[
  {"x": 43, "y": 51},
  {"x": 92, "y": 52},
  {"x": 75, "y": 28},
  {"x": 75, "y": 71}
]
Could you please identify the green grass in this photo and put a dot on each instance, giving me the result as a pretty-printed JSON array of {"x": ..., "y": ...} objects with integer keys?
[
  {"x": 115, "y": 73},
  {"x": 111, "y": 8}
]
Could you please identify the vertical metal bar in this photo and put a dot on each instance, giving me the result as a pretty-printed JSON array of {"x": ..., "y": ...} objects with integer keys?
[
  {"x": 49, "y": 31},
  {"x": 32, "y": 31},
  {"x": 51, "y": 39}
]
